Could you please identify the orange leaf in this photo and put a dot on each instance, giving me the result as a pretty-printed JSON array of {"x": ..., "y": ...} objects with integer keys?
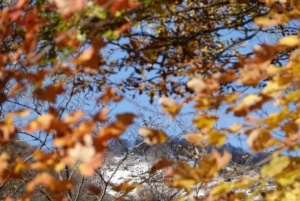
[
  {"x": 126, "y": 186},
  {"x": 41, "y": 123},
  {"x": 43, "y": 178},
  {"x": 153, "y": 136},
  {"x": 88, "y": 169},
  {"x": 222, "y": 161},
  {"x": 161, "y": 164},
  {"x": 196, "y": 139},
  {"x": 49, "y": 93},
  {"x": 123, "y": 28},
  {"x": 101, "y": 115},
  {"x": 90, "y": 58},
  {"x": 74, "y": 117},
  {"x": 9, "y": 199},
  {"x": 110, "y": 94}
]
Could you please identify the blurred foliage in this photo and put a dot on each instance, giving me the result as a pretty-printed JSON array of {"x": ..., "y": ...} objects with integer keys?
[{"x": 56, "y": 86}]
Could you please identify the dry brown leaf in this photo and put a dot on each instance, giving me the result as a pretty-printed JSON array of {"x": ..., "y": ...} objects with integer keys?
[{"x": 161, "y": 164}]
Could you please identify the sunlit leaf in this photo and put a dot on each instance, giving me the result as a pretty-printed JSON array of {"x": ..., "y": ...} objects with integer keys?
[
  {"x": 289, "y": 41},
  {"x": 276, "y": 166},
  {"x": 153, "y": 136}
]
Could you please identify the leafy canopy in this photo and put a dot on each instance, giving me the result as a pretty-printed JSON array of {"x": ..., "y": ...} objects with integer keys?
[{"x": 53, "y": 64}]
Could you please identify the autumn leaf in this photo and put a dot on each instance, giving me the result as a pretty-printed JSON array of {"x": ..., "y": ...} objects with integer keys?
[
  {"x": 160, "y": 164},
  {"x": 126, "y": 186},
  {"x": 204, "y": 122},
  {"x": 94, "y": 189},
  {"x": 101, "y": 115},
  {"x": 4, "y": 162},
  {"x": 84, "y": 153},
  {"x": 196, "y": 84},
  {"x": 67, "y": 7},
  {"x": 50, "y": 92},
  {"x": 44, "y": 178},
  {"x": 153, "y": 136},
  {"x": 250, "y": 103},
  {"x": 123, "y": 4},
  {"x": 90, "y": 58},
  {"x": 222, "y": 161},
  {"x": 260, "y": 139},
  {"x": 88, "y": 169},
  {"x": 170, "y": 106},
  {"x": 43, "y": 122},
  {"x": 215, "y": 138},
  {"x": 276, "y": 166},
  {"x": 274, "y": 89},
  {"x": 74, "y": 117},
  {"x": 195, "y": 138},
  {"x": 289, "y": 41},
  {"x": 110, "y": 94},
  {"x": 265, "y": 21},
  {"x": 123, "y": 28}
]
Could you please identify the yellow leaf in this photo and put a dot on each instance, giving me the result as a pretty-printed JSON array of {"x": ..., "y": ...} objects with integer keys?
[
  {"x": 205, "y": 122},
  {"x": 274, "y": 89},
  {"x": 170, "y": 106},
  {"x": 222, "y": 188},
  {"x": 4, "y": 160},
  {"x": 265, "y": 21},
  {"x": 216, "y": 138},
  {"x": 289, "y": 41},
  {"x": 276, "y": 166},
  {"x": 235, "y": 127},
  {"x": 184, "y": 183}
]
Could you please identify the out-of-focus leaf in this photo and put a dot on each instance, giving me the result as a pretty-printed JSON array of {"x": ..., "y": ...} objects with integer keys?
[
  {"x": 160, "y": 164},
  {"x": 196, "y": 84},
  {"x": 110, "y": 94},
  {"x": 289, "y": 41},
  {"x": 276, "y": 166},
  {"x": 153, "y": 136},
  {"x": 67, "y": 7},
  {"x": 126, "y": 186},
  {"x": 123, "y": 4}
]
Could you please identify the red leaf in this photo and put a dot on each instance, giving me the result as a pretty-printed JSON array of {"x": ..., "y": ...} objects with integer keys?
[
  {"x": 123, "y": 4},
  {"x": 124, "y": 28}
]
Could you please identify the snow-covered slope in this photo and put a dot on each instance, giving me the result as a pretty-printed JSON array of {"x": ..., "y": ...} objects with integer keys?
[{"x": 135, "y": 168}]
